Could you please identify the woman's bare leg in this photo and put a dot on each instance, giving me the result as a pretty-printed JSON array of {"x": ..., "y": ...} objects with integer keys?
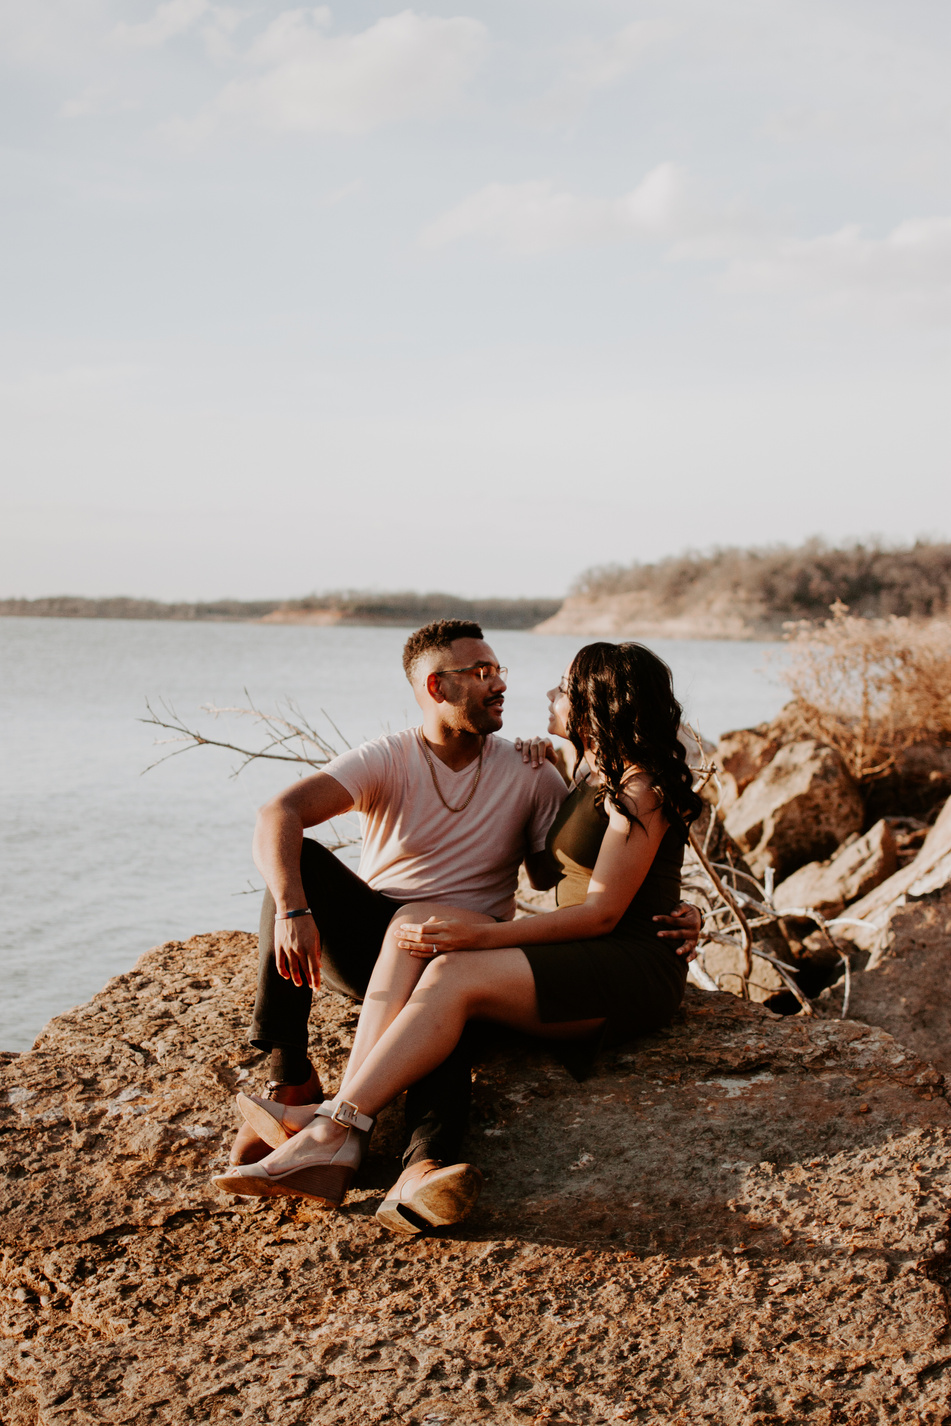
[
  {"x": 454, "y": 988},
  {"x": 393, "y": 981}
]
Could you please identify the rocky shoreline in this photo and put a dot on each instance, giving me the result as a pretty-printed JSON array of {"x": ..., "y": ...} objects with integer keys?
[{"x": 743, "y": 1219}]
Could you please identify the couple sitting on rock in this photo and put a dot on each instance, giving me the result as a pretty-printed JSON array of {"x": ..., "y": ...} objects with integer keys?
[{"x": 424, "y": 934}]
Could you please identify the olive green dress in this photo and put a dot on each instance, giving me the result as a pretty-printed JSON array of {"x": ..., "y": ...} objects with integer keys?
[{"x": 631, "y": 977}]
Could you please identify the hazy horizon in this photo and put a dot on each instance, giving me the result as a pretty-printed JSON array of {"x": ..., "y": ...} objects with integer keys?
[{"x": 814, "y": 545}]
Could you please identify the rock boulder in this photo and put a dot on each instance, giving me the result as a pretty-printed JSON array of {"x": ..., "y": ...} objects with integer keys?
[
  {"x": 920, "y": 779},
  {"x": 740, "y": 757},
  {"x": 904, "y": 986},
  {"x": 929, "y": 871},
  {"x": 742, "y": 1220},
  {"x": 798, "y": 809},
  {"x": 854, "y": 870},
  {"x": 724, "y": 965}
]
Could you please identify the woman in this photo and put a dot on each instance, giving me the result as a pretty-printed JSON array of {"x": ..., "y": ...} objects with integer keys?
[{"x": 595, "y": 968}]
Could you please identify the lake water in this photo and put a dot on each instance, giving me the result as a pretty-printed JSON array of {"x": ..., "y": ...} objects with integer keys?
[{"x": 100, "y": 862}]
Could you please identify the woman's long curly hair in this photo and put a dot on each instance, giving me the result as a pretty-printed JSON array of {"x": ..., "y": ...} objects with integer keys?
[{"x": 621, "y": 698}]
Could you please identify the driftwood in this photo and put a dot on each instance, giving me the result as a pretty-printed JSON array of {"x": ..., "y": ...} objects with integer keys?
[{"x": 733, "y": 914}]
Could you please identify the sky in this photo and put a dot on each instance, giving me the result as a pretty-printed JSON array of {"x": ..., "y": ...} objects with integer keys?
[{"x": 469, "y": 297}]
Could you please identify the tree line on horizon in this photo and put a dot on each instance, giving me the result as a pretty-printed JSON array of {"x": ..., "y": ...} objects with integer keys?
[
  {"x": 783, "y": 582},
  {"x": 357, "y": 607},
  {"x": 774, "y": 583}
]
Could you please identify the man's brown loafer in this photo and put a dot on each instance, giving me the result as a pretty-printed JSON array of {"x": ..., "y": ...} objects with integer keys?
[{"x": 428, "y": 1195}]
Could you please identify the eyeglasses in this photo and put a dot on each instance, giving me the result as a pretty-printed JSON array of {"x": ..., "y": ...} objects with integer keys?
[{"x": 482, "y": 671}]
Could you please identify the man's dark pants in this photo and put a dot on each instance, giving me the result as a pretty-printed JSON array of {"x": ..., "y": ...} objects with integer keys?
[{"x": 352, "y": 921}]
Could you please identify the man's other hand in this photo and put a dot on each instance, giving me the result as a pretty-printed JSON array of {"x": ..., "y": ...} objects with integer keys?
[
  {"x": 536, "y": 750},
  {"x": 684, "y": 923},
  {"x": 297, "y": 950}
]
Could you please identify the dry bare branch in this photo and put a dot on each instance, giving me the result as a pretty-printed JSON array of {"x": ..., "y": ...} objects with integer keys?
[
  {"x": 746, "y": 939},
  {"x": 288, "y": 738}
]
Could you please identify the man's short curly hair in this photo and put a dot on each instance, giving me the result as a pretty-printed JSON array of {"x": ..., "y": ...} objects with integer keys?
[{"x": 437, "y": 635}]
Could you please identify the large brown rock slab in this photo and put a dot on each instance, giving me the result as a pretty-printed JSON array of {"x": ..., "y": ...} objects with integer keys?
[
  {"x": 870, "y": 917},
  {"x": 855, "y": 869},
  {"x": 743, "y": 1219},
  {"x": 743, "y": 753},
  {"x": 904, "y": 986},
  {"x": 800, "y": 808}
]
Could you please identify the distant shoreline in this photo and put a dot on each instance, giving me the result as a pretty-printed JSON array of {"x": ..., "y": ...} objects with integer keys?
[
  {"x": 731, "y": 616},
  {"x": 585, "y": 619},
  {"x": 382, "y": 610},
  {"x": 597, "y": 626}
]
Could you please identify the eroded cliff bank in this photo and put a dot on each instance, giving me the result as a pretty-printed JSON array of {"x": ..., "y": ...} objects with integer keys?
[
  {"x": 640, "y": 616},
  {"x": 741, "y": 1220}
]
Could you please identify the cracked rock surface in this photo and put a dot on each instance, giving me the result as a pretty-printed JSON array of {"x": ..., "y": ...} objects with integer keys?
[
  {"x": 743, "y": 1219},
  {"x": 904, "y": 986}
]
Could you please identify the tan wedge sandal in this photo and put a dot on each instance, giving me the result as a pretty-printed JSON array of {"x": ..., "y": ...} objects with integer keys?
[
  {"x": 267, "y": 1118},
  {"x": 248, "y": 1146},
  {"x": 325, "y": 1179}
]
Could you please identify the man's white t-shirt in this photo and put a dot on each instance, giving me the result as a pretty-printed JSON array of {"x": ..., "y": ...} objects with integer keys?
[{"x": 415, "y": 849}]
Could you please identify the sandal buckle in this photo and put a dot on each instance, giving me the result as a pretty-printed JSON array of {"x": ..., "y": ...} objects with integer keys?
[{"x": 347, "y": 1114}]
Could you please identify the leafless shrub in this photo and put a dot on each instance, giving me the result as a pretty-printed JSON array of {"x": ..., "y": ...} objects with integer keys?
[{"x": 871, "y": 687}]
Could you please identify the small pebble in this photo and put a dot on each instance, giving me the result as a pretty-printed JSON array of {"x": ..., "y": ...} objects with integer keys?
[
  {"x": 21, "y": 1294},
  {"x": 863, "y": 1108}
]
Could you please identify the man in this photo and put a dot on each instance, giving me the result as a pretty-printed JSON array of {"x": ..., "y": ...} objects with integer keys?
[{"x": 449, "y": 812}]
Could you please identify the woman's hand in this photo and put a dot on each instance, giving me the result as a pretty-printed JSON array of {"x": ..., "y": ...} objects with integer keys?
[
  {"x": 434, "y": 937},
  {"x": 535, "y": 750}
]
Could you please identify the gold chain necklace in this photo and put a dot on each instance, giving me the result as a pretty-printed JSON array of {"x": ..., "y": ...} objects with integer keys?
[{"x": 432, "y": 773}]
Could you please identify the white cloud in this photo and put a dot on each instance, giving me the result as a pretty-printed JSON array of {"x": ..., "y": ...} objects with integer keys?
[
  {"x": 535, "y": 217},
  {"x": 309, "y": 81},
  {"x": 171, "y": 19},
  {"x": 95, "y": 99},
  {"x": 907, "y": 272},
  {"x": 590, "y": 65},
  {"x": 50, "y": 34},
  {"x": 599, "y": 64}
]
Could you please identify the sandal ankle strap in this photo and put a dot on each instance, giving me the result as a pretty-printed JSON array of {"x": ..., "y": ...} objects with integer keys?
[{"x": 341, "y": 1111}]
